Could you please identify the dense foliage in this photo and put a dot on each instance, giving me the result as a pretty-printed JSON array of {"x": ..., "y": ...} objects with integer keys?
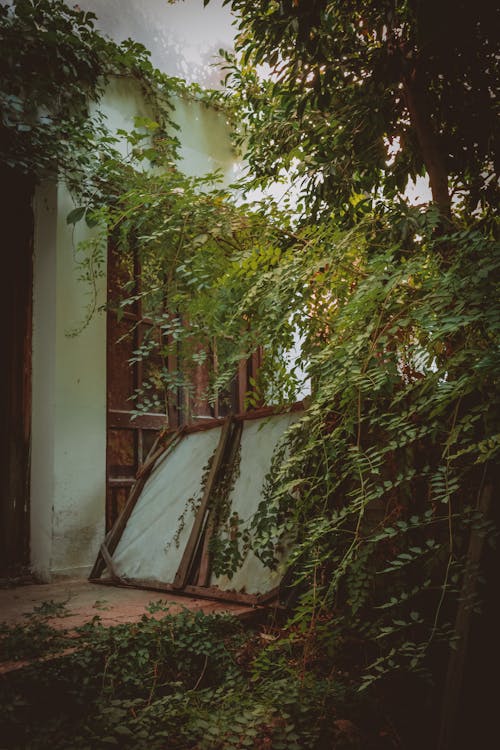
[
  {"x": 389, "y": 474},
  {"x": 185, "y": 680},
  {"x": 391, "y": 470},
  {"x": 52, "y": 65},
  {"x": 54, "y": 69},
  {"x": 348, "y": 80}
]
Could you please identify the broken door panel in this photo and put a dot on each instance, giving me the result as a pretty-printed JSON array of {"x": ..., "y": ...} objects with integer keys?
[
  {"x": 154, "y": 539},
  {"x": 166, "y": 540}
]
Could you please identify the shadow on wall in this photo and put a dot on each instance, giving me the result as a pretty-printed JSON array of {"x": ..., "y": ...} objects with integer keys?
[{"x": 183, "y": 38}]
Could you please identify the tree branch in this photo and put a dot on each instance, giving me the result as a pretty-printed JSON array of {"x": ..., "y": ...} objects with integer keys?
[{"x": 433, "y": 159}]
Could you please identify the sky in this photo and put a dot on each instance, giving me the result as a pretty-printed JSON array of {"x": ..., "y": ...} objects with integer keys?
[{"x": 183, "y": 38}]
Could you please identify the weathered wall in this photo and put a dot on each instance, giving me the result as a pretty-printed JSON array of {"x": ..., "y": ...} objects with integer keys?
[
  {"x": 43, "y": 379},
  {"x": 68, "y": 460},
  {"x": 69, "y": 399},
  {"x": 205, "y": 143}
]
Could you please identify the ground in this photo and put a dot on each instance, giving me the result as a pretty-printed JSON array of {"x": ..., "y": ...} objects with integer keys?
[{"x": 83, "y": 600}]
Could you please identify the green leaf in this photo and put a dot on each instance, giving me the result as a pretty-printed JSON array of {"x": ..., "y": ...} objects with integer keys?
[
  {"x": 75, "y": 215},
  {"x": 91, "y": 220}
]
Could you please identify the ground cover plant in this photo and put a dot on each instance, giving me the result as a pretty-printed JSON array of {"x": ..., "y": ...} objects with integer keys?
[{"x": 187, "y": 680}]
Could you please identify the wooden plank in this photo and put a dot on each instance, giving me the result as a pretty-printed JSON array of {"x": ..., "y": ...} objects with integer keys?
[
  {"x": 201, "y": 592},
  {"x": 212, "y": 592},
  {"x": 205, "y": 560},
  {"x": 204, "y": 424},
  {"x": 108, "y": 561},
  {"x": 242, "y": 385},
  {"x": 133, "y": 316},
  {"x": 118, "y": 418},
  {"x": 269, "y": 411},
  {"x": 156, "y": 452},
  {"x": 456, "y": 663},
  {"x": 260, "y": 413},
  {"x": 182, "y": 575},
  {"x": 114, "y": 535},
  {"x": 270, "y": 596}
]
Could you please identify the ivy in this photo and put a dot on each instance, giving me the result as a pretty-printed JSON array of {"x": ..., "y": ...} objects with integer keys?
[
  {"x": 185, "y": 680},
  {"x": 54, "y": 64}
]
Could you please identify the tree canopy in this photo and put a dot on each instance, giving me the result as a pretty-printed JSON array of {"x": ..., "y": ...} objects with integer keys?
[
  {"x": 54, "y": 68},
  {"x": 351, "y": 81}
]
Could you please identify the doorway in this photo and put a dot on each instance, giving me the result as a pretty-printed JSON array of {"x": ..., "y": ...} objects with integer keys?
[{"x": 15, "y": 390}]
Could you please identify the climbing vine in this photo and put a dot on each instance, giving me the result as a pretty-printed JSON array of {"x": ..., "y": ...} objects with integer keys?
[
  {"x": 388, "y": 469},
  {"x": 54, "y": 69}
]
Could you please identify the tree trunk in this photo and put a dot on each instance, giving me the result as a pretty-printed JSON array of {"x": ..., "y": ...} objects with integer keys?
[{"x": 433, "y": 159}]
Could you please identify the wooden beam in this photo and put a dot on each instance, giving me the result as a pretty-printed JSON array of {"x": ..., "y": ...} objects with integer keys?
[
  {"x": 205, "y": 560},
  {"x": 182, "y": 574},
  {"x": 269, "y": 411},
  {"x": 260, "y": 413},
  {"x": 108, "y": 561},
  {"x": 271, "y": 596},
  {"x": 119, "y": 419},
  {"x": 201, "y": 592},
  {"x": 242, "y": 381},
  {"x": 456, "y": 663},
  {"x": 155, "y": 453}
]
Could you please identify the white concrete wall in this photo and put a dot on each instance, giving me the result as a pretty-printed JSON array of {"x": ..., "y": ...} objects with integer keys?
[
  {"x": 68, "y": 452},
  {"x": 205, "y": 142},
  {"x": 68, "y": 461}
]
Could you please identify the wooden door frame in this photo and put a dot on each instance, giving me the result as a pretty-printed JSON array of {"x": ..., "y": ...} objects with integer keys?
[
  {"x": 120, "y": 419},
  {"x": 178, "y": 413},
  {"x": 16, "y": 310}
]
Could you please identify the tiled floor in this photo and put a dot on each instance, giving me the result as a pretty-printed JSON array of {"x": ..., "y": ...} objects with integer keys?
[{"x": 84, "y": 600}]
